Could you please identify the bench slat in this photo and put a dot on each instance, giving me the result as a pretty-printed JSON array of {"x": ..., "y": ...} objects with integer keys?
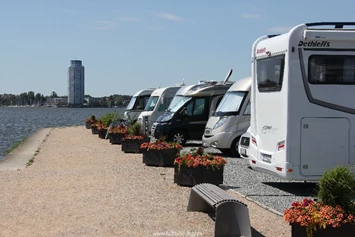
[{"x": 212, "y": 194}]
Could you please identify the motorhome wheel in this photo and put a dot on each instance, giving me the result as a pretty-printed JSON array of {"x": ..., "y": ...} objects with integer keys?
[
  {"x": 234, "y": 147},
  {"x": 178, "y": 136}
]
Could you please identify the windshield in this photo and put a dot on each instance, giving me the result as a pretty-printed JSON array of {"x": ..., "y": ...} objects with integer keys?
[
  {"x": 152, "y": 102},
  {"x": 131, "y": 103},
  {"x": 231, "y": 102},
  {"x": 177, "y": 102}
]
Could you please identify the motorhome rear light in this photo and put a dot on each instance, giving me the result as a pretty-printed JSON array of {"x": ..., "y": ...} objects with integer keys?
[
  {"x": 281, "y": 145},
  {"x": 253, "y": 140},
  {"x": 253, "y": 161},
  {"x": 289, "y": 170},
  {"x": 278, "y": 168}
]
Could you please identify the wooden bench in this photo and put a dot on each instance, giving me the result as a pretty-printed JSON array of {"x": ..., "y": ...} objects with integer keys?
[{"x": 231, "y": 216}]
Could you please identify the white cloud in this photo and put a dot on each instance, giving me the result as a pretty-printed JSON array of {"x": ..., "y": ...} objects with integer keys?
[
  {"x": 130, "y": 19},
  {"x": 104, "y": 25},
  {"x": 171, "y": 17},
  {"x": 250, "y": 16},
  {"x": 279, "y": 29}
]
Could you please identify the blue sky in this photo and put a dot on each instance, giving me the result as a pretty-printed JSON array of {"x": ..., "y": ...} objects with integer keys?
[{"x": 129, "y": 45}]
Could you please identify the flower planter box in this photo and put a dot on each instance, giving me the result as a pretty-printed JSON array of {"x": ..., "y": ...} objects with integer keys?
[
  {"x": 94, "y": 130},
  {"x": 88, "y": 125},
  {"x": 102, "y": 133},
  {"x": 133, "y": 145},
  {"x": 160, "y": 157},
  {"x": 116, "y": 138},
  {"x": 213, "y": 176},
  {"x": 189, "y": 176},
  {"x": 345, "y": 230}
]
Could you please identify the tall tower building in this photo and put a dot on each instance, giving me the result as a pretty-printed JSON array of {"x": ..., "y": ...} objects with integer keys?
[{"x": 76, "y": 83}]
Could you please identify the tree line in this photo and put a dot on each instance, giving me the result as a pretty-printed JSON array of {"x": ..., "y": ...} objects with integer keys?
[{"x": 37, "y": 99}]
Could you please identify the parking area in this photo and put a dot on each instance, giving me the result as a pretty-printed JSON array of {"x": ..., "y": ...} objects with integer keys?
[{"x": 266, "y": 190}]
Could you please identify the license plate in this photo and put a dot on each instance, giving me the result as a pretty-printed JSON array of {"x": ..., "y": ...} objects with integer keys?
[
  {"x": 266, "y": 158},
  {"x": 243, "y": 151}
]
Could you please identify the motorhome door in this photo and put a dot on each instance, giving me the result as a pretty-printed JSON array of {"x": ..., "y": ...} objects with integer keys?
[{"x": 196, "y": 117}]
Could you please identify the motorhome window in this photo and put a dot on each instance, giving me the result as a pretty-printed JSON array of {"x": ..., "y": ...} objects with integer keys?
[
  {"x": 196, "y": 107},
  {"x": 164, "y": 106},
  {"x": 247, "y": 110},
  {"x": 270, "y": 73},
  {"x": 219, "y": 101},
  {"x": 199, "y": 106},
  {"x": 140, "y": 103},
  {"x": 231, "y": 102},
  {"x": 152, "y": 102},
  {"x": 179, "y": 103},
  {"x": 331, "y": 69},
  {"x": 145, "y": 100},
  {"x": 131, "y": 103},
  {"x": 189, "y": 108}
]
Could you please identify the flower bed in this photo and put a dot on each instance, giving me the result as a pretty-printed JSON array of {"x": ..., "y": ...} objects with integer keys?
[
  {"x": 197, "y": 167},
  {"x": 132, "y": 144},
  {"x": 333, "y": 214},
  {"x": 117, "y": 133},
  {"x": 160, "y": 153},
  {"x": 312, "y": 215},
  {"x": 89, "y": 121}
]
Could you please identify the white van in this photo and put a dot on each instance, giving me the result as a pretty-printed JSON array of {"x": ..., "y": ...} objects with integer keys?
[
  {"x": 302, "y": 105},
  {"x": 137, "y": 104},
  {"x": 230, "y": 120},
  {"x": 158, "y": 102}
]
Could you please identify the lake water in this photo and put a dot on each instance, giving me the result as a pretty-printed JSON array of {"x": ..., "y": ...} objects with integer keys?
[{"x": 17, "y": 123}]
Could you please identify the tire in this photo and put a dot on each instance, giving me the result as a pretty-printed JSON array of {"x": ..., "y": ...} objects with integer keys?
[
  {"x": 178, "y": 136},
  {"x": 225, "y": 151},
  {"x": 234, "y": 147}
]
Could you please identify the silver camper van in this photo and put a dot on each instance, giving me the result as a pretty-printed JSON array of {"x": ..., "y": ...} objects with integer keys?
[
  {"x": 158, "y": 102},
  {"x": 230, "y": 120},
  {"x": 137, "y": 104}
]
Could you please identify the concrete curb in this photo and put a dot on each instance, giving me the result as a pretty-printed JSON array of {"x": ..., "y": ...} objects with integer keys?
[{"x": 18, "y": 158}]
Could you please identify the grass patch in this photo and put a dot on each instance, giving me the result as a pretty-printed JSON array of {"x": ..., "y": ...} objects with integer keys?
[
  {"x": 30, "y": 162},
  {"x": 14, "y": 146}
]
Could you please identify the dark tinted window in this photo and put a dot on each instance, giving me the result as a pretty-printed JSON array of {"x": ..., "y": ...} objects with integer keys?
[
  {"x": 270, "y": 73},
  {"x": 331, "y": 69}
]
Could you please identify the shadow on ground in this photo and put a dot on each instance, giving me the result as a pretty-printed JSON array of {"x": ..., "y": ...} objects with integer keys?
[
  {"x": 256, "y": 233},
  {"x": 298, "y": 189}
]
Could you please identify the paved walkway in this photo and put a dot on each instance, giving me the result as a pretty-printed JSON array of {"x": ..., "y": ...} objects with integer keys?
[{"x": 19, "y": 157}]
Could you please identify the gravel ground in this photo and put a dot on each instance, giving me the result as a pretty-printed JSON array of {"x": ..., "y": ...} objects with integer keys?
[
  {"x": 276, "y": 194},
  {"x": 80, "y": 185}
]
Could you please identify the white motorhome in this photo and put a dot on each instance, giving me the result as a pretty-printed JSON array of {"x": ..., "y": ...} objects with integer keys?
[
  {"x": 137, "y": 104},
  {"x": 302, "y": 105},
  {"x": 230, "y": 120},
  {"x": 158, "y": 102}
]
